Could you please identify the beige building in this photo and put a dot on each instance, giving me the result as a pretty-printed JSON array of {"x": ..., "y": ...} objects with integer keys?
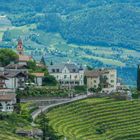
[
  {"x": 106, "y": 78},
  {"x": 67, "y": 75}
]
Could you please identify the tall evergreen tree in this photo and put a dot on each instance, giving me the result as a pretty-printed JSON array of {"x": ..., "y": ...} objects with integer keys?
[
  {"x": 138, "y": 78},
  {"x": 42, "y": 61},
  {"x": 51, "y": 63}
]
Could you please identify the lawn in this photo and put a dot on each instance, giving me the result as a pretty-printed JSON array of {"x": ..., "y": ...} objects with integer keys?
[{"x": 97, "y": 119}]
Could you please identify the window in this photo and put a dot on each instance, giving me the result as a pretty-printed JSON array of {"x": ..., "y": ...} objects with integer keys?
[
  {"x": 70, "y": 76},
  {"x": 8, "y": 106},
  {"x": 53, "y": 70},
  {"x": 95, "y": 81},
  {"x": 112, "y": 75},
  {"x": 57, "y": 70},
  {"x": 112, "y": 81},
  {"x": 74, "y": 70},
  {"x": 65, "y": 76},
  {"x": 77, "y": 83}
]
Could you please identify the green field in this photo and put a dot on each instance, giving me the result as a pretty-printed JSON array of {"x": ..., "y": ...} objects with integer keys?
[{"x": 97, "y": 119}]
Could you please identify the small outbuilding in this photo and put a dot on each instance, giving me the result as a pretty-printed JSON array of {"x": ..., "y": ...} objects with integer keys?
[
  {"x": 38, "y": 78},
  {"x": 7, "y": 102}
]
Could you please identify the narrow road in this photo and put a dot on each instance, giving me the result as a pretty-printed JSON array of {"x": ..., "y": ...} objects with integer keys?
[{"x": 45, "y": 108}]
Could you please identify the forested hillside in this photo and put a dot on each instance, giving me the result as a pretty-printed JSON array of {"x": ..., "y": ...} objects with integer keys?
[{"x": 102, "y": 22}]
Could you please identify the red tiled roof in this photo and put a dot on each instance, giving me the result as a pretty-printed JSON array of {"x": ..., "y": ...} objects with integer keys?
[
  {"x": 38, "y": 74},
  {"x": 7, "y": 97}
]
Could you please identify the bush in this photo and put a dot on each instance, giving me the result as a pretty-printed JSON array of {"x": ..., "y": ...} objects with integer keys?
[
  {"x": 49, "y": 81},
  {"x": 80, "y": 89},
  {"x": 51, "y": 92}
]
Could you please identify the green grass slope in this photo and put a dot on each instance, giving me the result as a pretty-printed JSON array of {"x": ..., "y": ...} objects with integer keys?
[{"x": 97, "y": 119}]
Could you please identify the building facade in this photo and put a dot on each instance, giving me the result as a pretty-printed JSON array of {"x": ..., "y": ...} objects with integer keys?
[
  {"x": 13, "y": 78},
  {"x": 7, "y": 102},
  {"x": 68, "y": 75},
  {"x": 105, "y": 78}
]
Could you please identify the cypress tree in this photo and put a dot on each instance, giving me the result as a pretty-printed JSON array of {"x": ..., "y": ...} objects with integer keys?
[
  {"x": 138, "y": 78},
  {"x": 42, "y": 61}
]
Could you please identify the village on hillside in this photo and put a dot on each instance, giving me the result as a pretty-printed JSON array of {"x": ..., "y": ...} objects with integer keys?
[
  {"x": 18, "y": 76},
  {"x": 25, "y": 80}
]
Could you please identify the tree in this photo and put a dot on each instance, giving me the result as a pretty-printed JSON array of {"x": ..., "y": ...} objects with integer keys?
[
  {"x": 44, "y": 125},
  {"x": 89, "y": 68},
  {"x": 51, "y": 63},
  {"x": 138, "y": 78},
  {"x": 42, "y": 61},
  {"x": 7, "y": 56},
  {"x": 31, "y": 65},
  {"x": 48, "y": 133},
  {"x": 49, "y": 80}
]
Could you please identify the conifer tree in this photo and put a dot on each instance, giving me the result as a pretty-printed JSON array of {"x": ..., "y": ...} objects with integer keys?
[{"x": 42, "y": 61}]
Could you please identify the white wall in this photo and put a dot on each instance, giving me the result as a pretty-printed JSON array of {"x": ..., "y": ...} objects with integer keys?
[{"x": 71, "y": 77}]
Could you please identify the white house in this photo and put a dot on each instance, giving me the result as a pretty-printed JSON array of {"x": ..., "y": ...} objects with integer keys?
[
  {"x": 7, "y": 102},
  {"x": 68, "y": 75},
  {"x": 106, "y": 78}
]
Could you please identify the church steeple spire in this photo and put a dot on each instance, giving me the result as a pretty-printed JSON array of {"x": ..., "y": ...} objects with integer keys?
[{"x": 20, "y": 49}]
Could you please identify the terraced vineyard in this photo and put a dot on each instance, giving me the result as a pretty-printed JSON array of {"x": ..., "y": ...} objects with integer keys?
[{"x": 97, "y": 119}]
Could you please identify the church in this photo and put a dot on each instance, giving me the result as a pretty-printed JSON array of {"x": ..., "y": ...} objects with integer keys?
[{"x": 23, "y": 59}]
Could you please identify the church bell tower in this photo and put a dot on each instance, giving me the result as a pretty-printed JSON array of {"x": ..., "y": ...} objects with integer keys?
[{"x": 20, "y": 49}]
